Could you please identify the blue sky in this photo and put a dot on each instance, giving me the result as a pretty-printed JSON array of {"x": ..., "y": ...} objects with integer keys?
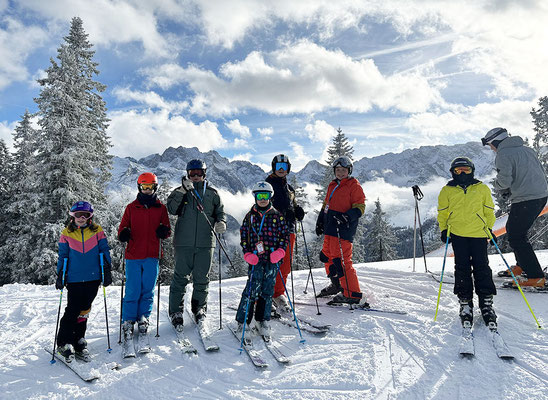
[{"x": 251, "y": 79}]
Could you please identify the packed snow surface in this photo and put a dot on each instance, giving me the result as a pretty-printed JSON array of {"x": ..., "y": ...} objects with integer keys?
[{"x": 365, "y": 355}]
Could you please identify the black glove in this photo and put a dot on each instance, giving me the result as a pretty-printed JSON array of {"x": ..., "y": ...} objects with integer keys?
[
  {"x": 125, "y": 235},
  {"x": 342, "y": 219},
  {"x": 319, "y": 224},
  {"x": 162, "y": 231},
  {"x": 59, "y": 282},
  {"x": 299, "y": 213},
  {"x": 493, "y": 240},
  {"x": 443, "y": 236},
  {"x": 107, "y": 279}
]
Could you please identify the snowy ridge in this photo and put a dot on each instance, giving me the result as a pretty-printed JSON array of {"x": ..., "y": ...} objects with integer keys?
[{"x": 363, "y": 356}]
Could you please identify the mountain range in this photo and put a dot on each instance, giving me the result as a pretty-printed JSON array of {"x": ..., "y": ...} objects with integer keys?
[{"x": 410, "y": 167}]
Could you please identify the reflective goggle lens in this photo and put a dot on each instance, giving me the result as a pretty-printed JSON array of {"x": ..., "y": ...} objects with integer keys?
[
  {"x": 195, "y": 172},
  {"x": 262, "y": 196},
  {"x": 145, "y": 186},
  {"x": 82, "y": 214},
  {"x": 460, "y": 170},
  {"x": 282, "y": 165}
]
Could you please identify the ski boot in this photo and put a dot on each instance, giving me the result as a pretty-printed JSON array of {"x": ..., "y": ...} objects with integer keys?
[
  {"x": 341, "y": 298},
  {"x": 177, "y": 321},
  {"x": 487, "y": 312},
  {"x": 67, "y": 351},
  {"x": 247, "y": 335},
  {"x": 466, "y": 311},
  {"x": 264, "y": 328},
  {"x": 523, "y": 281},
  {"x": 142, "y": 325},
  {"x": 333, "y": 288},
  {"x": 81, "y": 350},
  {"x": 281, "y": 305},
  {"x": 516, "y": 270},
  {"x": 127, "y": 339}
]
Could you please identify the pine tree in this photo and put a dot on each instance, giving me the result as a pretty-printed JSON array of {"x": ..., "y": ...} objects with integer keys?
[
  {"x": 6, "y": 173},
  {"x": 71, "y": 162},
  {"x": 381, "y": 241},
  {"x": 540, "y": 122},
  {"x": 339, "y": 147}
]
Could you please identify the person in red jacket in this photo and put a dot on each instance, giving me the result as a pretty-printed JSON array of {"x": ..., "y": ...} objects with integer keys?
[
  {"x": 144, "y": 223},
  {"x": 343, "y": 205}
]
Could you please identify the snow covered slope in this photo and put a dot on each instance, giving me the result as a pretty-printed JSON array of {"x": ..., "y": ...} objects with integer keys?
[{"x": 364, "y": 356}]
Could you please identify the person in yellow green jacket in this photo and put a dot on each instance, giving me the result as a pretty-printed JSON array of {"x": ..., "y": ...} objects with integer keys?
[{"x": 466, "y": 211}]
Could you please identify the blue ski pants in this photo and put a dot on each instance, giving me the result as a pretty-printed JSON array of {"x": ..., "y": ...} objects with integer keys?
[
  {"x": 262, "y": 288},
  {"x": 141, "y": 278}
]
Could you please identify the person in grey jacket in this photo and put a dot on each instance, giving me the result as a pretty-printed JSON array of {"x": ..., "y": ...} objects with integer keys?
[
  {"x": 520, "y": 178},
  {"x": 194, "y": 240}
]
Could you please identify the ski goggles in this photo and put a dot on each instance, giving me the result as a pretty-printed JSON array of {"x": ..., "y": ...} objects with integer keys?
[
  {"x": 148, "y": 186},
  {"x": 460, "y": 170},
  {"x": 81, "y": 214},
  {"x": 282, "y": 165},
  {"x": 263, "y": 195},
  {"x": 195, "y": 172}
]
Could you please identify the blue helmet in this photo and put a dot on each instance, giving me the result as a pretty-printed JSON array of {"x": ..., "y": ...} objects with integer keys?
[
  {"x": 80, "y": 206},
  {"x": 196, "y": 164}
]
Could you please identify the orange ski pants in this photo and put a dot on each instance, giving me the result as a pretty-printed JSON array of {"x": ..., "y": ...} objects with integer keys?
[{"x": 332, "y": 250}]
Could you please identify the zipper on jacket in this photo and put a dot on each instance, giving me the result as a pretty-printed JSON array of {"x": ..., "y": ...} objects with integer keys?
[{"x": 83, "y": 250}]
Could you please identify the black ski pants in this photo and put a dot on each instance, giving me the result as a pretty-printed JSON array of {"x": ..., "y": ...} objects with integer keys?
[
  {"x": 80, "y": 296},
  {"x": 471, "y": 260},
  {"x": 521, "y": 218}
]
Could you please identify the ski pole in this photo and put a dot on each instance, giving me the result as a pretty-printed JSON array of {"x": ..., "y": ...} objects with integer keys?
[
  {"x": 310, "y": 275},
  {"x": 343, "y": 263},
  {"x": 122, "y": 290},
  {"x": 417, "y": 193},
  {"x": 290, "y": 304},
  {"x": 291, "y": 265},
  {"x": 247, "y": 308},
  {"x": 59, "y": 311},
  {"x": 220, "y": 292},
  {"x": 105, "y": 298},
  {"x": 513, "y": 276},
  {"x": 158, "y": 311},
  {"x": 442, "y": 269},
  {"x": 200, "y": 208}
]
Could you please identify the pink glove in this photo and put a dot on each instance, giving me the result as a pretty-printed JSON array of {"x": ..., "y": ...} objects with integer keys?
[
  {"x": 251, "y": 258},
  {"x": 277, "y": 255}
]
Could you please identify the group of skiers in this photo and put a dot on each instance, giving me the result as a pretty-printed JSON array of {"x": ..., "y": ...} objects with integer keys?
[{"x": 267, "y": 237}]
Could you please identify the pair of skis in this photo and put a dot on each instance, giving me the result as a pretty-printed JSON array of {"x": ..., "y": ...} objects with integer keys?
[
  {"x": 186, "y": 345},
  {"x": 272, "y": 345},
  {"x": 359, "y": 307},
  {"x": 87, "y": 370},
  {"x": 130, "y": 350},
  {"x": 467, "y": 348}
]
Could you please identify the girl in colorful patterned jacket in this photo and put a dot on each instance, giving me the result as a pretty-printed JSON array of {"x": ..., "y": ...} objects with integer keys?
[
  {"x": 264, "y": 236},
  {"x": 81, "y": 247}
]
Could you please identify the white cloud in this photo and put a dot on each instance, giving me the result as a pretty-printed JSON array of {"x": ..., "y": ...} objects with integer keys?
[
  {"x": 17, "y": 41},
  {"x": 140, "y": 133},
  {"x": 150, "y": 99},
  {"x": 6, "y": 130},
  {"x": 320, "y": 131},
  {"x": 266, "y": 133},
  {"x": 236, "y": 127},
  {"x": 459, "y": 124},
  {"x": 112, "y": 22},
  {"x": 299, "y": 157},
  {"x": 300, "y": 78},
  {"x": 241, "y": 157}
]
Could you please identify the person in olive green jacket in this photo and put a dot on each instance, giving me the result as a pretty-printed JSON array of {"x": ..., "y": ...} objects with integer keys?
[
  {"x": 194, "y": 240},
  {"x": 466, "y": 210}
]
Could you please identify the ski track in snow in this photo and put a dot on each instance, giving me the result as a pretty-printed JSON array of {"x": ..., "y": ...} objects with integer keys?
[{"x": 365, "y": 355}]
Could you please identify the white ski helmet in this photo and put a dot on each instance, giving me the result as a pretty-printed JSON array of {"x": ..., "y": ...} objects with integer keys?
[{"x": 262, "y": 186}]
